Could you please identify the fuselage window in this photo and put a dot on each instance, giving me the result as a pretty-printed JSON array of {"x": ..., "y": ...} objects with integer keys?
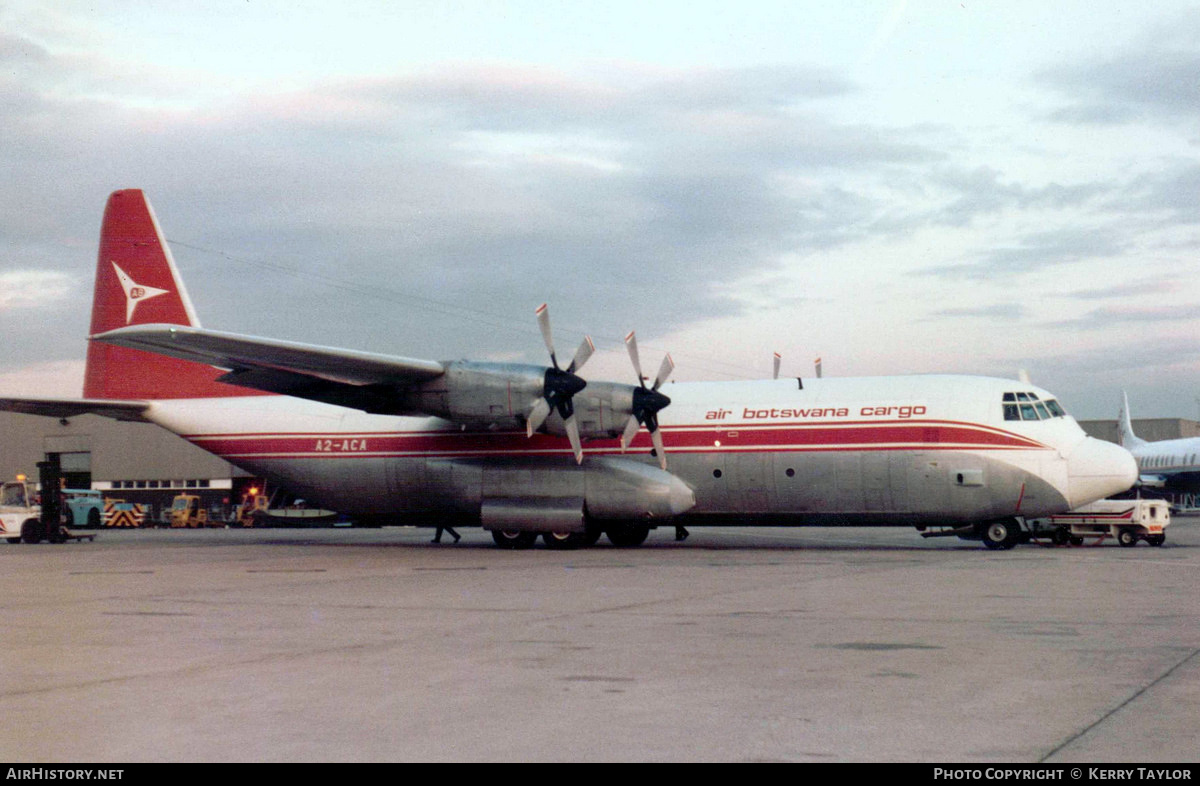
[
  {"x": 1055, "y": 408},
  {"x": 1010, "y": 397},
  {"x": 1022, "y": 397},
  {"x": 1010, "y": 412},
  {"x": 1042, "y": 412},
  {"x": 1028, "y": 412}
]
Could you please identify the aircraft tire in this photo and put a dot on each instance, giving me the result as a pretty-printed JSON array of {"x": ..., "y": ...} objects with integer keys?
[
  {"x": 1127, "y": 538},
  {"x": 1001, "y": 534},
  {"x": 628, "y": 534},
  {"x": 514, "y": 539},
  {"x": 568, "y": 540}
]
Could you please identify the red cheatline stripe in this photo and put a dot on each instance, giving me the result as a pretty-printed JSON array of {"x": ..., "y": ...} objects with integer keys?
[
  {"x": 1127, "y": 514},
  {"x": 905, "y": 435}
]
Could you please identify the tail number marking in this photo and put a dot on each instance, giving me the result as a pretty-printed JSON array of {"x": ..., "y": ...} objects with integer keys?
[{"x": 341, "y": 445}]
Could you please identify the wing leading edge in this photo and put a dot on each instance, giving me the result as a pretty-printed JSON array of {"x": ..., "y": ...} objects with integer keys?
[{"x": 361, "y": 380}]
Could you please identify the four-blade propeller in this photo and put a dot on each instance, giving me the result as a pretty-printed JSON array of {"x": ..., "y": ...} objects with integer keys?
[
  {"x": 560, "y": 387},
  {"x": 647, "y": 402}
]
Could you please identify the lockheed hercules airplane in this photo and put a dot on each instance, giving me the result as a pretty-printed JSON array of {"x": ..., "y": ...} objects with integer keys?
[
  {"x": 1170, "y": 464},
  {"x": 526, "y": 450}
]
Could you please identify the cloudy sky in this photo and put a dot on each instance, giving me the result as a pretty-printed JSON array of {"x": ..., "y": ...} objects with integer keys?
[{"x": 896, "y": 187}]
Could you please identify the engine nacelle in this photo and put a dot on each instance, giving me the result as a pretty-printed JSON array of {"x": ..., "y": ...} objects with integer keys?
[
  {"x": 601, "y": 410},
  {"x": 477, "y": 395},
  {"x": 501, "y": 396}
]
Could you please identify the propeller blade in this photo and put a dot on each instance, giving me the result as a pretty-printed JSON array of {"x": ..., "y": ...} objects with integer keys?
[
  {"x": 647, "y": 401},
  {"x": 631, "y": 430},
  {"x": 560, "y": 386},
  {"x": 656, "y": 437},
  {"x": 573, "y": 436},
  {"x": 664, "y": 371},
  {"x": 537, "y": 416},
  {"x": 543, "y": 318},
  {"x": 582, "y": 354},
  {"x": 778, "y": 360},
  {"x": 631, "y": 345}
]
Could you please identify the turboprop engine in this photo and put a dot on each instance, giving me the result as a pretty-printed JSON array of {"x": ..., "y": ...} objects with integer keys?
[{"x": 551, "y": 399}]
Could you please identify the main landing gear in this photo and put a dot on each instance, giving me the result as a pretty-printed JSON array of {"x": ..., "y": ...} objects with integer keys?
[{"x": 624, "y": 534}]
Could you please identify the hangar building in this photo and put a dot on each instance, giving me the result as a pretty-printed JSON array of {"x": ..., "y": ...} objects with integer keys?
[{"x": 134, "y": 462}]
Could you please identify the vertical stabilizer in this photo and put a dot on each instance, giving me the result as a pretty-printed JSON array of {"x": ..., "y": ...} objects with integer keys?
[
  {"x": 1125, "y": 436},
  {"x": 137, "y": 284}
]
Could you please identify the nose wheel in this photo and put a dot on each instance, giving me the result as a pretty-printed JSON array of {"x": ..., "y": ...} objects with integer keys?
[{"x": 1000, "y": 535}]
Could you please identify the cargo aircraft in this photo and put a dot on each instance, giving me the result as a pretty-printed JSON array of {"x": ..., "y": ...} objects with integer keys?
[
  {"x": 529, "y": 450},
  {"x": 1169, "y": 464}
]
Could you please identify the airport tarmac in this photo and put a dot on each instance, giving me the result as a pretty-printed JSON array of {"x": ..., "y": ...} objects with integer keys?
[{"x": 736, "y": 645}]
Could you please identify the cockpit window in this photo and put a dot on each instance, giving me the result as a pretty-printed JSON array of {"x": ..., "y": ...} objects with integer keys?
[{"x": 1029, "y": 406}]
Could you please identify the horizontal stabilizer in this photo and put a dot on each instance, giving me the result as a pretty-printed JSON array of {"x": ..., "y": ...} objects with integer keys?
[{"x": 72, "y": 407}]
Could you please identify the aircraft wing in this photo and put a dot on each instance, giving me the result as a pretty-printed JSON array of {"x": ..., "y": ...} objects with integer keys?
[
  {"x": 71, "y": 407},
  {"x": 362, "y": 380}
]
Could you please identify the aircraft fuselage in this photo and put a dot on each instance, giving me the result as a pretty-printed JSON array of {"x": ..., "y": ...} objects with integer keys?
[{"x": 916, "y": 450}]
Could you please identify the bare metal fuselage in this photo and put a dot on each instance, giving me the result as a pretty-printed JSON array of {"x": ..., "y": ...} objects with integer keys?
[{"x": 922, "y": 450}]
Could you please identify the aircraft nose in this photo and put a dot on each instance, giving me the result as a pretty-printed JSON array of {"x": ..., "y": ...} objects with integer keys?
[{"x": 1098, "y": 469}]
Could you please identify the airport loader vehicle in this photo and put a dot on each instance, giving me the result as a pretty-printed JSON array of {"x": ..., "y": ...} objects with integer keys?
[
  {"x": 1126, "y": 520},
  {"x": 21, "y": 515}
]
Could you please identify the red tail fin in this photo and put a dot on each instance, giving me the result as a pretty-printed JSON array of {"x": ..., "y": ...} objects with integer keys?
[{"x": 136, "y": 284}]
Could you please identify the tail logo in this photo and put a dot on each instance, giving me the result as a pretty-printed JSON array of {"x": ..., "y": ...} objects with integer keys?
[{"x": 134, "y": 293}]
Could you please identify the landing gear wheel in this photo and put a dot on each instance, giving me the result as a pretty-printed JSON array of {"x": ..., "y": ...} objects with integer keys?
[
  {"x": 628, "y": 535},
  {"x": 1002, "y": 534},
  {"x": 1127, "y": 537},
  {"x": 569, "y": 540},
  {"x": 514, "y": 539}
]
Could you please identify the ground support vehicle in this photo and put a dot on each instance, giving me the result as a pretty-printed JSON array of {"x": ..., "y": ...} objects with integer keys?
[
  {"x": 1126, "y": 520},
  {"x": 83, "y": 508},
  {"x": 21, "y": 516},
  {"x": 119, "y": 513},
  {"x": 187, "y": 511}
]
